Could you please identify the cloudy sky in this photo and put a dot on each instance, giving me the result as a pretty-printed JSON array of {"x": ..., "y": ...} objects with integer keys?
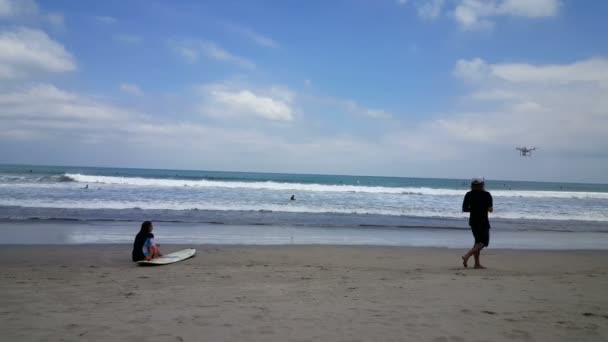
[{"x": 423, "y": 88}]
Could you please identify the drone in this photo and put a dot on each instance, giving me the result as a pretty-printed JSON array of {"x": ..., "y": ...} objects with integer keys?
[{"x": 525, "y": 152}]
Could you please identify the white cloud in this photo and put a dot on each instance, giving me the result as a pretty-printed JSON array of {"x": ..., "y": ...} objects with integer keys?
[
  {"x": 246, "y": 101},
  {"x": 47, "y": 104},
  {"x": 561, "y": 106},
  {"x": 131, "y": 89},
  {"x": 426, "y": 9},
  {"x": 104, "y": 19},
  {"x": 355, "y": 108},
  {"x": 494, "y": 95},
  {"x": 27, "y": 52},
  {"x": 192, "y": 49},
  {"x": 430, "y": 9},
  {"x": 476, "y": 14},
  {"x": 130, "y": 39},
  {"x": 377, "y": 114},
  {"x": 529, "y": 8},
  {"x": 63, "y": 119},
  {"x": 45, "y": 112},
  {"x": 28, "y": 9},
  {"x": 236, "y": 101},
  {"x": 564, "y": 119},
  {"x": 56, "y": 21},
  {"x": 338, "y": 106},
  {"x": 18, "y": 8},
  {"x": 470, "y": 14},
  {"x": 590, "y": 70},
  {"x": 254, "y": 37},
  {"x": 187, "y": 52},
  {"x": 471, "y": 70}
]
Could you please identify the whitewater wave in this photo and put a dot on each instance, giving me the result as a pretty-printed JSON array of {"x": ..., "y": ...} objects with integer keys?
[
  {"x": 11, "y": 179},
  {"x": 66, "y": 179},
  {"x": 270, "y": 208},
  {"x": 278, "y": 186}
]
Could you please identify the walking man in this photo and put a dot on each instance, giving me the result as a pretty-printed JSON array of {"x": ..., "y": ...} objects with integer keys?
[{"x": 478, "y": 203}]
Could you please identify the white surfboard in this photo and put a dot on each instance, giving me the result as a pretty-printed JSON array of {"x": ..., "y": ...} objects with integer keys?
[{"x": 169, "y": 258}]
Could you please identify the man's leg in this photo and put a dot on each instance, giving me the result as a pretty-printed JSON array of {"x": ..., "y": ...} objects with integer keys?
[
  {"x": 484, "y": 240},
  {"x": 477, "y": 264},
  {"x": 473, "y": 251}
]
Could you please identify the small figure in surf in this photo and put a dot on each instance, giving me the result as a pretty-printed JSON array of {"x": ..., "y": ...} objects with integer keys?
[
  {"x": 293, "y": 198},
  {"x": 144, "y": 246},
  {"x": 478, "y": 202},
  {"x": 86, "y": 186}
]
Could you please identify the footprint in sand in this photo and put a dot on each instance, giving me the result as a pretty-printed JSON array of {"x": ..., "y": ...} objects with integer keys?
[
  {"x": 448, "y": 339},
  {"x": 517, "y": 335},
  {"x": 591, "y": 314}
]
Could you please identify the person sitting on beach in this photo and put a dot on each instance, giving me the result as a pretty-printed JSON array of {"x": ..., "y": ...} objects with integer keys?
[
  {"x": 144, "y": 247},
  {"x": 478, "y": 203}
]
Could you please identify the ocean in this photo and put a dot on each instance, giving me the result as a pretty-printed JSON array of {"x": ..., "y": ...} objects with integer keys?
[{"x": 107, "y": 205}]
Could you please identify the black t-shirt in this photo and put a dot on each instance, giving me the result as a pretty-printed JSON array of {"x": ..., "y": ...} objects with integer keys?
[
  {"x": 477, "y": 202},
  {"x": 138, "y": 245}
]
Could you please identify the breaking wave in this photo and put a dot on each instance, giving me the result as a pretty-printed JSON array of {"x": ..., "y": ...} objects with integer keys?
[{"x": 278, "y": 186}]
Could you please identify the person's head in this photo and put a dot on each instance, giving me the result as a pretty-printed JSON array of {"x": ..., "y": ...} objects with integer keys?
[
  {"x": 146, "y": 227},
  {"x": 477, "y": 184}
]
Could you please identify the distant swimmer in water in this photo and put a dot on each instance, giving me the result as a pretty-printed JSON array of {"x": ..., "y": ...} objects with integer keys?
[
  {"x": 293, "y": 197},
  {"x": 86, "y": 186}
]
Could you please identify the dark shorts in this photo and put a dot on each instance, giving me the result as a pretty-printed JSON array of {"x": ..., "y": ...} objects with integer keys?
[{"x": 482, "y": 235}]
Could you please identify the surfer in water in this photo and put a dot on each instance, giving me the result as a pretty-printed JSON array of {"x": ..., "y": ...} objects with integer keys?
[
  {"x": 293, "y": 198},
  {"x": 478, "y": 203},
  {"x": 144, "y": 246}
]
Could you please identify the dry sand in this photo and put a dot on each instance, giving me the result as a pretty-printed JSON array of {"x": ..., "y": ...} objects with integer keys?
[{"x": 301, "y": 293}]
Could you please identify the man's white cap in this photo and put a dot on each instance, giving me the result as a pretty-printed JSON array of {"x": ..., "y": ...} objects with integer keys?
[{"x": 477, "y": 180}]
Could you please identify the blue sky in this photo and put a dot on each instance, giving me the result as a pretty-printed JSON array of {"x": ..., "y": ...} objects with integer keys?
[{"x": 426, "y": 88}]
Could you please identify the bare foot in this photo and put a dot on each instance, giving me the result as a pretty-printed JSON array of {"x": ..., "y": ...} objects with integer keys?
[
  {"x": 478, "y": 266},
  {"x": 464, "y": 262}
]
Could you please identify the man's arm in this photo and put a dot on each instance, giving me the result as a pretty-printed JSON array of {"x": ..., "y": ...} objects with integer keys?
[
  {"x": 466, "y": 206},
  {"x": 490, "y": 204}
]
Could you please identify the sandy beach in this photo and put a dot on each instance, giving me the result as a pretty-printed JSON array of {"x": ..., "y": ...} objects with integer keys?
[{"x": 302, "y": 293}]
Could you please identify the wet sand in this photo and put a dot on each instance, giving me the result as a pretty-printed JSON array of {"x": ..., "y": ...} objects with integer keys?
[{"x": 302, "y": 293}]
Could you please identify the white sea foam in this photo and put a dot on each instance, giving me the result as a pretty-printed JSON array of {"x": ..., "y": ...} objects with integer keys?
[
  {"x": 442, "y": 212},
  {"x": 277, "y": 186}
]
